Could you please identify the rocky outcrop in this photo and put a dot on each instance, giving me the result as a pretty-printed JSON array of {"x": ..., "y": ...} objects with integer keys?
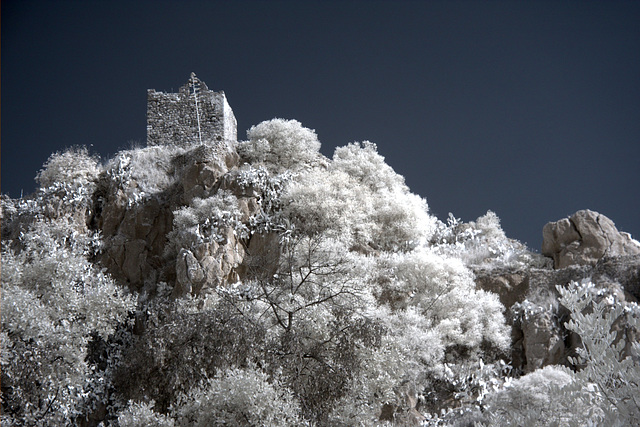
[
  {"x": 209, "y": 264},
  {"x": 202, "y": 169},
  {"x": 542, "y": 340},
  {"x": 539, "y": 337},
  {"x": 584, "y": 238},
  {"x": 135, "y": 234},
  {"x": 510, "y": 286},
  {"x": 134, "y": 239}
]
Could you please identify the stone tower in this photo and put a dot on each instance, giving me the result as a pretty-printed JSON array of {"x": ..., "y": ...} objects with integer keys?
[{"x": 195, "y": 115}]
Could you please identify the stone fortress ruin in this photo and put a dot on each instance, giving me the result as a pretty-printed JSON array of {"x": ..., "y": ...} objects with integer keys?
[{"x": 195, "y": 115}]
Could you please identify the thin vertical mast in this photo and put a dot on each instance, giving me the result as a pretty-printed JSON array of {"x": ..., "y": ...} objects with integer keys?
[{"x": 194, "y": 85}]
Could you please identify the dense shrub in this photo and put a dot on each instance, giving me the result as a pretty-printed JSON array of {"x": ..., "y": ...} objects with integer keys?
[
  {"x": 281, "y": 145},
  {"x": 54, "y": 302},
  {"x": 443, "y": 290},
  {"x": 140, "y": 173},
  {"x": 238, "y": 397},
  {"x": 74, "y": 166},
  {"x": 143, "y": 415},
  {"x": 361, "y": 200},
  {"x": 185, "y": 341},
  {"x": 483, "y": 243},
  {"x": 206, "y": 220}
]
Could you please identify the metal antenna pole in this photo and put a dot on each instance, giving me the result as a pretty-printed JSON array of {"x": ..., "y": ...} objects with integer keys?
[{"x": 194, "y": 82}]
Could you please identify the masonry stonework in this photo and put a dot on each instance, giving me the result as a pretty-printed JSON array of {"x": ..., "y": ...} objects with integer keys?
[{"x": 195, "y": 115}]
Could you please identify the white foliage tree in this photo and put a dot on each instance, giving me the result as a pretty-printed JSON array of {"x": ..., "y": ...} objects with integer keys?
[
  {"x": 365, "y": 165},
  {"x": 361, "y": 199},
  {"x": 608, "y": 360},
  {"x": 281, "y": 145},
  {"x": 323, "y": 202},
  {"x": 482, "y": 243},
  {"x": 312, "y": 306},
  {"x": 54, "y": 301},
  {"x": 443, "y": 290}
]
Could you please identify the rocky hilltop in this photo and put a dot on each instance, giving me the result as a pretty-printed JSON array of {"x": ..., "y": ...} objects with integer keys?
[
  {"x": 586, "y": 246},
  {"x": 207, "y": 280}
]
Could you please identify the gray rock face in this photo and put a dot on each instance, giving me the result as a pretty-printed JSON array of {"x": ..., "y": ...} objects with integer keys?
[
  {"x": 585, "y": 238},
  {"x": 543, "y": 341},
  {"x": 540, "y": 338},
  {"x": 510, "y": 286},
  {"x": 210, "y": 264},
  {"x": 202, "y": 169},
  {"x": 188, "y": 271},
  {"x": 136, "y": 235}
]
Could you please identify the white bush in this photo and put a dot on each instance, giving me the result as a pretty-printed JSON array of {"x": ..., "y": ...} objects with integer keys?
[
  {"x": 360, "y": 199},
  {"x": 281, "y": 145},
  {"x": 547, "y": 396},
  {"x": 239, "y": 397},
  {"x": 482, "y": 243},
  {"x": 141, "y": 173},
  {"x": 67, "y": 182},
  {"x": 324, "y": 202},
  {"x": 206, "y": 220},
  {"x": 443, "y": 290},
  {"x": 365, "y": 165},
  {"x": 54, "y": 301},
  {"x": 143, "y": 415},
  {"x": 74, "y": 166}
]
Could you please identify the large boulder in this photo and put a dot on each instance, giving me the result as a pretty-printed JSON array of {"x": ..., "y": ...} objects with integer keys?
[
  {"x": 134, "y": 238},
  {"x": 585, "y": 238}
]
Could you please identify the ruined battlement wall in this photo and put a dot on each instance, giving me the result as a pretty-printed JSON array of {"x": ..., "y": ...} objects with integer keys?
[{"x": 172, "y": 118}]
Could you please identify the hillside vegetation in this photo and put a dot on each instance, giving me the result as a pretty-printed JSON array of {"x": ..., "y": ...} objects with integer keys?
[{"x": 260, "y": 283}]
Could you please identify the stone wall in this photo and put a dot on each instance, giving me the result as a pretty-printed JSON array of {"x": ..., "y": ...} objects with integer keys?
[{"x": 172, "y": 118}]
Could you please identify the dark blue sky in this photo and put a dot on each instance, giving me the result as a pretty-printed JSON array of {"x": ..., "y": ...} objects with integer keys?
[{"x": 527, "y": 108}]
